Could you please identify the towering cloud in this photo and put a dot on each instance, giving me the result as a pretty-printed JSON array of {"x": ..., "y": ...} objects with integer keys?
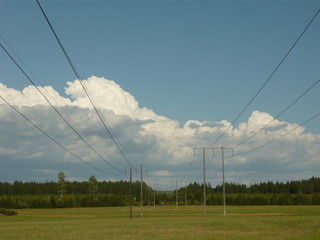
[{"x": 160, "y": 143}]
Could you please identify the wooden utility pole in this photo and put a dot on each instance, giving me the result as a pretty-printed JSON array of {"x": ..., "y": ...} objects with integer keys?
[
  {"x": 177, "y": 194},
  {"x": 186, "y": 194},
  {"x": 154, "y": 195},
  {"x": 130, "y": 193},
  {"x": 204, "y": 178},
  {"x": 204, "y": 183},
  {"x": 223, "y": 179},
  {"x": 223, "y": 183},
  {"x": 141, "y": 203}
]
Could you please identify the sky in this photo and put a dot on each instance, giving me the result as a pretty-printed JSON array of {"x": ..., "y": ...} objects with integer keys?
[{"x": 167, "y": 77}]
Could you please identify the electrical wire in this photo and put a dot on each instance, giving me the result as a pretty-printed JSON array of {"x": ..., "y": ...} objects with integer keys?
[
  {"x": 26, "y": 67},
  {"x": 287, "y": 108},
  {"x": 304, "y": 123},
  {"x": 55, "y": 141},
  {"x": 190, "y": 165},
  {"x": 83, "y": 86},
  {"x": 268, "y": 79},
  {"x": 61, "y": 109},
  {"x": 56, "y": 110},
  {"x": 39, "y": 82},
  {"x": 119, "y": 142}
]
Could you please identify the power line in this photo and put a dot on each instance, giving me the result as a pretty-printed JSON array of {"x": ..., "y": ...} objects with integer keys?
[
  {"x": 119, "y": 142},
  {"x": 61, "y": 109},
  {"x": 83, "y": 86},
  {"x": 190, "y": 165},
  {"x": 268, "y": 79},
  {"x": 56, "y": 110},
  {"x": 67, "y": 116},
  {"x": 55, "y": 141},
  {"x": 287, "y": 108},
  {"x": 305, "y": 122},
  {"x": 39, "y": 82}
]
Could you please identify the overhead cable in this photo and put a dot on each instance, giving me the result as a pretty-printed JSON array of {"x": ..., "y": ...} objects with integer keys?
[
  {"x": 287, "y": 108},
  {"x": 56, "y": 110},
  {"x": 55, "y": 141},
  {"x": 191, "y": 162},
  {"x": 83, "y": 86},
  {"x": 268, "y": 79},
  {"x": 304, "y": 123},
  {"x": 57, "y": 102}
]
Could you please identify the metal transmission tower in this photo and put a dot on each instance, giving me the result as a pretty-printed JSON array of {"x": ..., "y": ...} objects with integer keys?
[{"x": 204, "y": 177}]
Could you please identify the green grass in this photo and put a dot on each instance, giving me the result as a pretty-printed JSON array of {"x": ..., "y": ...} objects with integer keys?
[{"x": 259, "y": 222}]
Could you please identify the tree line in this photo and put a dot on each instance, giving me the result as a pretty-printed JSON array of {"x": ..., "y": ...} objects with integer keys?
[
  {"x": 301, "y": 192},
  {"x": 308, "y": 186},
  {"x": 93, "y": 193}
]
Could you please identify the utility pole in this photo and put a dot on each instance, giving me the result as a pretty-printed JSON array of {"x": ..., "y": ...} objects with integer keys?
[
  {"x": 154, "y": 195},
  {"x": 223, "y": 179},
  {"x": 130, "y": 193},
  {"x": 141, "y": 191},
  {"x": 177, "y": 194},
  {"x": 223, "y": 183},
  {"x": 204, "y": 179},
  {"x": 186, "y": 196},
  {"x": 148, "y": 188},
  {"x": 204, "y": 183}
]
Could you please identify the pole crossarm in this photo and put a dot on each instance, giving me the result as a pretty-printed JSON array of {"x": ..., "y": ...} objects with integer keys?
[{"x": 222, "y": 148}]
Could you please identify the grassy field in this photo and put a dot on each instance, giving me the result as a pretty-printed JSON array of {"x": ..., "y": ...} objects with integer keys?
[{"x": 266, "y": 222}]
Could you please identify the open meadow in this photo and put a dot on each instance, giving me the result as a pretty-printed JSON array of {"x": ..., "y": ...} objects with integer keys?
[{"x": 249, "y": 222}]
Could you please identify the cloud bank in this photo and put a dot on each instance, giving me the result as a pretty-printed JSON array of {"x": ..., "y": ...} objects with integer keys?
[{"x": 161, "y": 144}]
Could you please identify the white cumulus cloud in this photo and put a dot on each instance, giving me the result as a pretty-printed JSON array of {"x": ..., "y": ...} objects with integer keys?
[{"x": 157, "y": 142}]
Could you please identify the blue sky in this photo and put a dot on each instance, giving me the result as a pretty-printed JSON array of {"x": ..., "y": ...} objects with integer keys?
[{"x": 184, "y": 60}]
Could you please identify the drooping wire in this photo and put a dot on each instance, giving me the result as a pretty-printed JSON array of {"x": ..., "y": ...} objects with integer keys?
[
  {"x": 287, "y": 108},
  {"x": 39, "y": 82},
  {"x": 190, "y": 165},
  {"x": 268, "y": 79},
  {"x": 55, "y": 141},
  {"x": 119, "y": 142},
  {"x": 56, "y": 110},
  {"x": 83, "y": 86},
  {"x": 26, "y": 67},
  {"x": 302, "y": 124}
]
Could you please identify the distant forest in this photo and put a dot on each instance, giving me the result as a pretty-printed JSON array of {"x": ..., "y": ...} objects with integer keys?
[{"x": 93, "y": 193}]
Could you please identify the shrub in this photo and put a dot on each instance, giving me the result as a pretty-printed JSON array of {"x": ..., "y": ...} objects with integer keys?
[{"x": 8, "y": 212}]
